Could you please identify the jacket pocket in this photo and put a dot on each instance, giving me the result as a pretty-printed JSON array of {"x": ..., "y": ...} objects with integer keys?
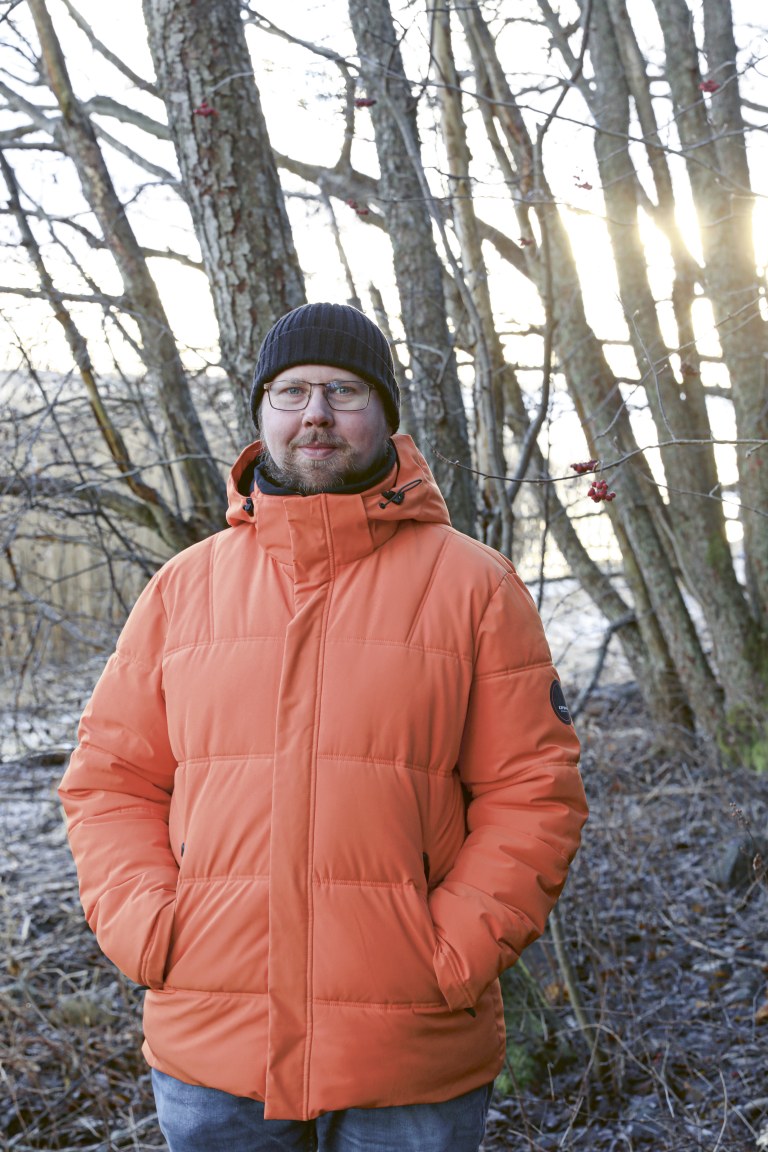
[
  {"x": 154, "y": 960},
  {"x": 177, "y": 817},
  {"x": 220, "y": 934},
  {"x": 133, "y": 924},
  {"x": 374, "y": 943}
]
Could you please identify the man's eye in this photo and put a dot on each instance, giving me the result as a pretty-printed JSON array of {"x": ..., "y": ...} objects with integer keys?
[{"x": 337, "y": 388}]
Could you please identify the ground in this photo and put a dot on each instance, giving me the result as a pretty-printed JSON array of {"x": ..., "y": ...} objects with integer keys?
[{"x": 639, "y": 1021}]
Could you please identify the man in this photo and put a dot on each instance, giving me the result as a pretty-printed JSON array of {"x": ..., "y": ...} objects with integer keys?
[{"x": 326, "y": 788}]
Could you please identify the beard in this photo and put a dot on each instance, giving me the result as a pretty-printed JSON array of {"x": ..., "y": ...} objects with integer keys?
[{"x": 312, "y": 476}]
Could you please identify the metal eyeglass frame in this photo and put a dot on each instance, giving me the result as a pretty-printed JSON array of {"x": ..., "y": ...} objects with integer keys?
[{"x": 315, "y": 384}]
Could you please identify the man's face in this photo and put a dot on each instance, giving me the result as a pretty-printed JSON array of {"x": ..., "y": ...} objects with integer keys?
[{"x": 317, "y": 449}]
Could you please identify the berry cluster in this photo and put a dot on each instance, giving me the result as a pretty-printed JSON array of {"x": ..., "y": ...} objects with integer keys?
[
  {"x": 585, "y": 466},
  {"x": 353, "y": 204},
  {"x": 599, "y": 492}
]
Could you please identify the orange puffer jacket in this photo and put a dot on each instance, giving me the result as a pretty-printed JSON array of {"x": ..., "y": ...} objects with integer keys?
[{"x": 325, "y": 793}]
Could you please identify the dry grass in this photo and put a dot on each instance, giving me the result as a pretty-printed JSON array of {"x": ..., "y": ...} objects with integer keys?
[
  {"x": 72, "y": 1073},
  {"x": 666, "y": 929},
  {"x": 669, "y": 961}
]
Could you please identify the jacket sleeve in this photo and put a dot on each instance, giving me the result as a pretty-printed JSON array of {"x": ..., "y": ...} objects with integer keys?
[
  {"x": 526, "y": 804},
  {"x": 116, "y": 794}
]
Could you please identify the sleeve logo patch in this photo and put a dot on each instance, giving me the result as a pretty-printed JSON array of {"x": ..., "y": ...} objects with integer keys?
[{"x": 557, "y": 700}]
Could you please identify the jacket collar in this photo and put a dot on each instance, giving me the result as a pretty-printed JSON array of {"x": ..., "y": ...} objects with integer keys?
[{"x": 331, "y": 529}]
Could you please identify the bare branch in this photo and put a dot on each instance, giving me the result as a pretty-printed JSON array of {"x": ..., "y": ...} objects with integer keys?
[
  {"x": 35, "y": 113},
  {"x": 101, "y": 48},
  {"x": 161, "y": 173},
  {"x": 135, "y": 511},
  {"x": 352, "y": 295},
  {"x": 605, "y": 466},
  {"x": 164, "y": 519},
  {"x": 99, "y": 105},
  {"x": 158, "y": 345},
  {"x": 345, "y": 182},
  {"x": 254, "y": 17},
  {"x": 589, "y": 687},
  {"x": 99, "y": 244},
  {"x": 578, "y": 68},
  {"x": 72, "y": 297},
  {"x": 106, "y": 106},
  {"x": 10, "y": 135}
]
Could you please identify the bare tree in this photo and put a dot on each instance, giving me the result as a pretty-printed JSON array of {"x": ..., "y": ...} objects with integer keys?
[
  {"x": 76, "y": 135},
  {"x": 672, "y": 683},
  {"x": 229, "y": 175},
  {"x": 505, "y": 384},
  {"x": 404, "y": 197}
]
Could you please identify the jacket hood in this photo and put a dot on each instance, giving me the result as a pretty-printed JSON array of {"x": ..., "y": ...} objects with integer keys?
[{"x": 408, "y": 492}]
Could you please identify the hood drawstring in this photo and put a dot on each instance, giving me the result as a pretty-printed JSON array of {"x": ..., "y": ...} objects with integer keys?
[
  {"x": 391, "y": 496},
  {"x": 397, "y": 497}
]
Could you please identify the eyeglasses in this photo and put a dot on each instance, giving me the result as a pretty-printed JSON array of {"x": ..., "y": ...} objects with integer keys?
[{"x": 342, "y": 395}]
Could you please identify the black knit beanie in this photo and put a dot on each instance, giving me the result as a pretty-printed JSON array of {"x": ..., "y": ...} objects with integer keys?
[{"x": 333, "y": 334}]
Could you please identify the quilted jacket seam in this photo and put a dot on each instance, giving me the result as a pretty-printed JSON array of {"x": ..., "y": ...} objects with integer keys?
[
  {"x": 381, "y": 1005},
  {"x": 427, "y": 591}
]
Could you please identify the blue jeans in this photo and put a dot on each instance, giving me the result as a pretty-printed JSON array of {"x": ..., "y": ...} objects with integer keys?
[{"x": 195, "y": 1119}]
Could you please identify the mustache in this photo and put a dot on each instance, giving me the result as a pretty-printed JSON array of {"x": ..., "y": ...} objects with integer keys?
[{"x": 318, "y": 438}]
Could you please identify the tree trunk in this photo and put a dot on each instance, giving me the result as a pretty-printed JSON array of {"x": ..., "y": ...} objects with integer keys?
[
  {"x": 436, "y": 394},
  {"x": 600, "y": 406},
  {"x": 230, "y": 179},
  {"x": 491, "y": 368},
  {"x": 697, "y": 522},
  {"x": 595, "y": 583},
  {"x": 718, "y": 175}
]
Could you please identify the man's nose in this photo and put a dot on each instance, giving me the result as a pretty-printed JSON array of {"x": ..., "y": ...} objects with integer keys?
[{"x": 318, "y": 410}]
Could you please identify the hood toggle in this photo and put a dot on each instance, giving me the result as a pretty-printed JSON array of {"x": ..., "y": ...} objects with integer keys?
[{"x": 398, "y": 496}]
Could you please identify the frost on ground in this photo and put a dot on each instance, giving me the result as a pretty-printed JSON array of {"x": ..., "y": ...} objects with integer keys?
[
  {"x": 648, "y": 1031},
  {"x": 666, "y": 932}
]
